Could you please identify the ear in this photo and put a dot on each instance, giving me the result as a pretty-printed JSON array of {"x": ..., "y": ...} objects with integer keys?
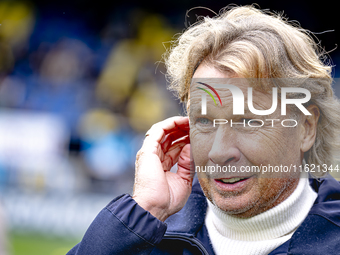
[{"x": 309, "y": 127}]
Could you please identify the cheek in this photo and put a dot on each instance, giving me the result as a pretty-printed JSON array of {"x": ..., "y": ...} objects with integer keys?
[
  {"x": 204, "y": 182},
  {"x": 200, "y": 145},
  {"x": 270, "y": 146},
  {"x": 270, "y": 188}
]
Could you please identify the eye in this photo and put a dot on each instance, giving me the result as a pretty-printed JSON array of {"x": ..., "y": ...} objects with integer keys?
[
  {"x": 204, "y": 125},
  {"x": 203, "y": 121}
]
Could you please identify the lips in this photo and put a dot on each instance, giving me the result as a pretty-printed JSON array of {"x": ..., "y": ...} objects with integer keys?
[
  {"x": 232, "y": 180},
  {"x": 233, "y": 184}
]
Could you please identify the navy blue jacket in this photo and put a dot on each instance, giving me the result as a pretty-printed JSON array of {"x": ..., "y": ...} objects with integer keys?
[{"x": 123, "y": 227}]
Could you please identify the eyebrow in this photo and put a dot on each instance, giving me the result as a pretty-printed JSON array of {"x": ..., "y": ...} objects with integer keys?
[{"x": 193, "y": 108}]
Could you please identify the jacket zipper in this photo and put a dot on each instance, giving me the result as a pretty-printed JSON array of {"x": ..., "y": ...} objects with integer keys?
[{"x": 190, "y": 239}]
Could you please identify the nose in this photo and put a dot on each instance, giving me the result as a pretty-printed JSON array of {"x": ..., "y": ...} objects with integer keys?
[{"x": 224, "y": 149}]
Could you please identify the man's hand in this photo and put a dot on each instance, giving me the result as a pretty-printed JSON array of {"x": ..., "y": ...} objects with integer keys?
[{"x": 156, "y": 189}]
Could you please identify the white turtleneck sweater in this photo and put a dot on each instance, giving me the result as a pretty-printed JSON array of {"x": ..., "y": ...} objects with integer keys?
[{"x": 264, "y": 232}]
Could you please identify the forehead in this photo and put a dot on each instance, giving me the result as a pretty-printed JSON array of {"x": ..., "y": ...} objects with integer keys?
[
  {"x": 220, "y": 89},
  {"x": 210, "y": 76},
  {"x": 224, "y": 88},
  {"x": 208, "y": 71},
  {"x": 217, "y": 79}
]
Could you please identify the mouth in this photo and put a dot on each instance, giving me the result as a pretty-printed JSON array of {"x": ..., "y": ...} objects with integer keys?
[
  {"x": 234, "y": 184},
  {"x": 232, "y": 180}
]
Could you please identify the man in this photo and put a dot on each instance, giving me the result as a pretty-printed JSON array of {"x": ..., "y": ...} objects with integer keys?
[{"x": 255, "y": 197}]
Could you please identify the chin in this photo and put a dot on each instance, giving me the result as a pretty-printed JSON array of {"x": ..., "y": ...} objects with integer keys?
[{"x": 238, "y": 207}]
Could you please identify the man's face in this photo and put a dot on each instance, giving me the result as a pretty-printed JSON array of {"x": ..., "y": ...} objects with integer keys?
[{"x": 242, "y": 194}]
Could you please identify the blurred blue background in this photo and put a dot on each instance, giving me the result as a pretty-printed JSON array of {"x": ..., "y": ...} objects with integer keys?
[{"x": 80, "y": 84}]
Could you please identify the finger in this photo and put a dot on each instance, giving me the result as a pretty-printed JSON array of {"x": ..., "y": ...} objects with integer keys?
[
  {"x": 172, "y": 137},
  {"x": 184, "y": 161},
  {"x": 167, "y": 160},
  {"x": 151, "y": 145},
  {"x": 172, "y": 155},
  {"x": 158, "y": 131}
]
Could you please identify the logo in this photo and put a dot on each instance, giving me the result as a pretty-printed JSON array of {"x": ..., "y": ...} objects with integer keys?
[
  {"x": 218, "y": 96},
  {"x": 238, "y": 99}
]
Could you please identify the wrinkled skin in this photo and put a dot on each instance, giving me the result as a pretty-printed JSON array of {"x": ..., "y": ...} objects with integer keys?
[
  {"x": 164, "y": 193},
  {"x": 245, "y": 146}
]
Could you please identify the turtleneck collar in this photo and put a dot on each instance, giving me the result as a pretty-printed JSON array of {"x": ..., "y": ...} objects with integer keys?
[{"x": 276, "y": 222}]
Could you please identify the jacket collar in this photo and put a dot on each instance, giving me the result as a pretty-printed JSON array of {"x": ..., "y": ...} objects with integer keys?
[
  {"x": 327, "y": 204},
  {"x": 190, "y": 219}
]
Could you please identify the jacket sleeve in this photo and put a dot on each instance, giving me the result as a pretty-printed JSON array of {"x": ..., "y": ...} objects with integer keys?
[{"x": 122, "y": 227}]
